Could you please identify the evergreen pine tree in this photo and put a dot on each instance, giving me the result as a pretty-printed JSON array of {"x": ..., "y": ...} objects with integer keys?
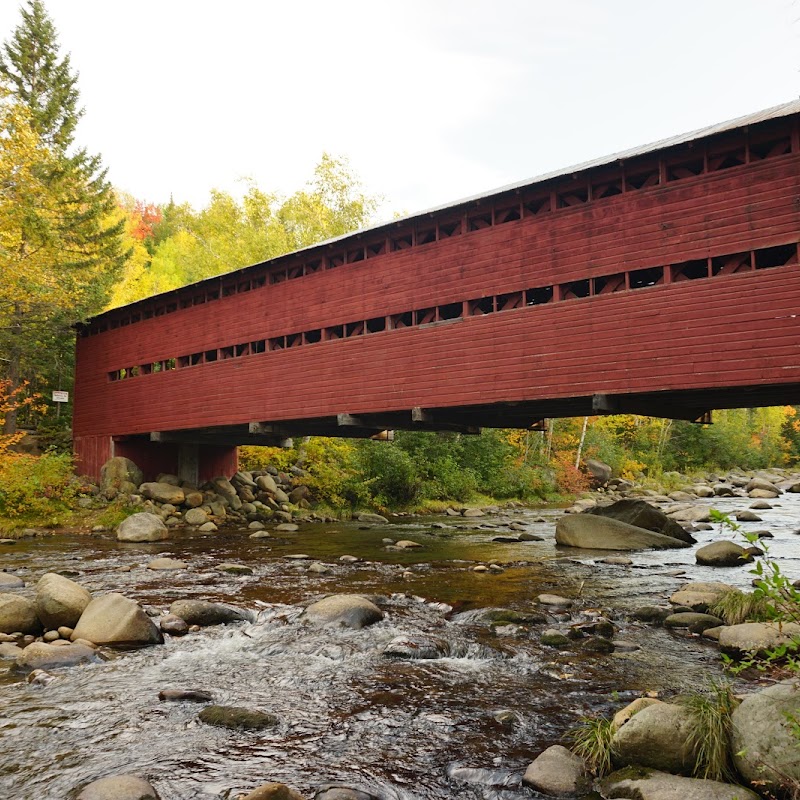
[{"x": 84, "y": 235}]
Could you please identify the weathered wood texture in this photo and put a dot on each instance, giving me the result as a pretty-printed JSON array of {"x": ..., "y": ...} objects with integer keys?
[{"x": 730, "y": 330}]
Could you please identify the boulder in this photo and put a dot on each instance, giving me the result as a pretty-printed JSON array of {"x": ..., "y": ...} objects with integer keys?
[
  {"x": 119, "y": 787},
  {"x": 112, "y": 619},
  {"x": 193, "y": 499},
  {"x": 10, "y": 581},
  {"x": 347, "y": 610},
  {"x": 224, "y": 488},
  {"x": 747, "y": 516},
  {"x": 722, "y": 554},
  {"x": 242, "y": 719},
  {"x": 695, "y": 621},
  {"x": 163, "y": 493},
  {"x": 142, "y": 527},
  {"x": 267, "y": 484},
  {"x": 18, "y": 615},
  {"x": 700, "y": 595},
  {"x": 701, "y": 490},
  {"x": 60, "y": 601},
  {"x": 654, "y": 785},
  {"x": 416, "y": 646},
  {"x": 641, "y": 514},
  {"x": 599, "y": 470},
  {"x": 722, "y": 490},
  {"x": 372, "y": 519},
  {"x": 174, "y": 626},
  {"x": 624, "y": 714},
  {"x": 273, "y": 791},
  {"x": 592, "y": 532},
  {"x": 558, "y": 772},
  {"x": 658, "y": 737},
  {"x": 195, "y": 516},
  {"x": 764, "y": 737},
  {"x": 166, "y": 564},
  {"x": 339, "y": 792},
  {"x": 40, "y": 655},
  {"x": 757, "y": 637},
  {"x": 119, "y": 473},
  {"x": 201, "y": 612},
  {"x": 763, "y": 494},
  {"x": 763, "y": 485}
]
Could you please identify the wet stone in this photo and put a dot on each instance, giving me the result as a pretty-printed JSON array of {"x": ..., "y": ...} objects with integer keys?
[
  {"x": 189, "y": 695},
  {"x": 236, "y": 718},
  {"x": 235, "y": 569}
]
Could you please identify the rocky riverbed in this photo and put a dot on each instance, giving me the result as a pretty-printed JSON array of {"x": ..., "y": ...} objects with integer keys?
[{"x": 448, "y": 689}]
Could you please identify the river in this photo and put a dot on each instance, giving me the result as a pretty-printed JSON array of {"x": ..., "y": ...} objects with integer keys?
[{"x": 349, "y": 715}]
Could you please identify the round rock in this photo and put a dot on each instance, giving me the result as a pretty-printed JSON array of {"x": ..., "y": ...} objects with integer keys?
[
  {"x": 113, "y": 619},
  {"x": 142, "y": 527},
  {"x": 347, "y": 610},
  {"x": 119, "y": 787}
]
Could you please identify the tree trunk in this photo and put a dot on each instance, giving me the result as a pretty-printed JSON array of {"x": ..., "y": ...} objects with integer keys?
[{"x": 13, "y": 370}]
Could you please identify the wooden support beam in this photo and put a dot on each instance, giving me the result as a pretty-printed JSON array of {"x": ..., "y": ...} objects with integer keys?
[{"x": 419, "y": 414}]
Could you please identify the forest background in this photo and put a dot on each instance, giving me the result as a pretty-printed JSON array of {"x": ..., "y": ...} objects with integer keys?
[{"x": 72, "y": 245}]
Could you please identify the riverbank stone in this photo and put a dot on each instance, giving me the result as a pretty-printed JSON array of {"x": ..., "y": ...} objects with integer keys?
[
  {"x": 722, "y": 554},
  {"x": 60, "y": 601},
  {"x": 764, "y": 745},
  {"x": 644, "y": 784},
  {"x": 693, "y": 620},
  {"x": 163, "y": 493},
  {"x": 142, "y": 527},
  {"x": 202, "y": 612},
  {"x": 166, "y": 564},
  {"x": 236, "y": 718},
  {"x": 273, "y": 791},
  {"x": 174, "y": 626},
  {"x": 10, "y": 581},
  {"x": 347, "y": 610},
  {"x": 700, "y": 595},
  {"x": 659, "y": 737},
  {"x": 119, "y": 787},
  {"x": 558, "y": 772},
  {"x": 40, "y": 655},
  {"x": 757, "y": 637},
  {"x": 372, "y": 519},
  {"x": 641, "y": 514},
  {"x": 591, "y": 532},
  {"x": 195, "y": 516},
  {"x": 18, "y": 615},
  {"x": 115, "y": 620}
]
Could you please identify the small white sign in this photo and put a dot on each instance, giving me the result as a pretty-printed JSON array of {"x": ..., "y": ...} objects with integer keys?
[{"x": 60, "y": 397}]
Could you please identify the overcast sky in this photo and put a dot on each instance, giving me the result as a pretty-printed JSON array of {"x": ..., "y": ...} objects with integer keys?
[{"x": 431, "y": 100}]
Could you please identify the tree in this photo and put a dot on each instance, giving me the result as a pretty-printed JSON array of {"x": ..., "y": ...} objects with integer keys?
[{"x": 61, "y": 229}]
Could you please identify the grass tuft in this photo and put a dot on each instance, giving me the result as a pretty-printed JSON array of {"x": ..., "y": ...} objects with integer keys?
[
  {"x": 591, "y": 740},
  {"x": 735, "y": 607},
  {"x": 711, "y": 731}
]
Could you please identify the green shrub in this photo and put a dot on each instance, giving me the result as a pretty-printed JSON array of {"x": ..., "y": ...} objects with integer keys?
[{"x": 36, "y": 487}]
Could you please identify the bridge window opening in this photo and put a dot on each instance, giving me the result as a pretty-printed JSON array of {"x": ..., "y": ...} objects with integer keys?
[
  {"x": 295, "y": 271},
  {"x": 199, "y": 300},
  {"x": 312, "y": 266},
  {"x": 312, "y": 337},
  {"x": 169, "y": 364},
  {"x": 228, "y": 290},
  {"x": 685, "y": 168},
  {"x": 425, "y": 316},
  {"x": 353, "y": 329},
  {"x": 776, "y": 256},
  {"x": 124, "y": 322},
  {"x": 258, "y": 346},
  {"x": 574, "y": 195},
  {"x": 728, "y": 265},
  {"x": 404, "y": 320},
  {"x": 508, "y": 214},
  {"x": 225, "y": 353},
  {"x": 401, "y": 242},
  {"x": 277, "y": 343},
  {"x": 171, "y": 307},
  {"x": 576, "y": 290},
  {"x": 734, "y": 157},
  {"x": 506, "y": 302},
  {"x": 213, "y": 294},
  {"x": 114, "y": 375},
  {"x": 376, "y": 249},
  {"x": 609, "y": 187},
  {"x": 294, "y": 339},
  {"x": 426, "y": 236},
  {"x": 133, "y": 372},
  {"x": 483, "y": 305},
  {"x": 539, "y": 297},
  {"x": 243, "y": 349},
  {"x": 184, "y": 361},
  {"x": 156, "y": 366},
  {"x": 147, "y": 313},
  {"x": 260, "y": 281},
  {"x": 609, "y": 284},
  {"x": 759, "y": 150},
  {"x": 449, "y": 229},
  {"x": 355, "y": 255},
  {"x": 159, "y": 311},
  {"x": 334, "y": 332},
  {"x": 642, "y": 278},
  {"x": 244, "y": 286},
  {"x": 186, "y": 302},
  {"x": 114, "y": 324},
  {"x": 195, "y": 359},
  {"x": 643, "y": 180},
  {"x": 479, "y": 220},
  {"x": 136, "y": 317},
  {"x": 451, "y": 311},
  {"x": 278, "y": 276},
  {"x": 210, "y": 356},
  {"x": 376, "y": 324},
  {"x": 335, "y": 261},
  {"x": 145, "y": 369},
  {"x": 103, "y": 327},
  {"x": 533, "y": 206},
  {"x": 689, "y": 270}
]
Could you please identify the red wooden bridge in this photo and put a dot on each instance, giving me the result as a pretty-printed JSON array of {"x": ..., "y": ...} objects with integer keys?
[{"x": 661, "y": 281}]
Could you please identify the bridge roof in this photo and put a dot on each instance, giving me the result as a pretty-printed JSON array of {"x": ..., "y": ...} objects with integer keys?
[{"x": 775, "y": 112}]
